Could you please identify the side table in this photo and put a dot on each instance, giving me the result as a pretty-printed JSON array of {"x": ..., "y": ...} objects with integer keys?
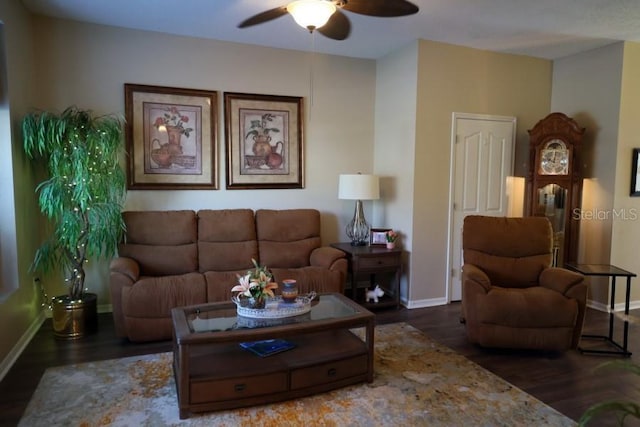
[
  {"x": 369, "y": 262},
  {"x": 606, "y": 270}
]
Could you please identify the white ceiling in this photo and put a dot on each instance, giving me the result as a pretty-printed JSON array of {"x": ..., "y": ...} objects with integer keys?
[{"x": 541, "y": 28}]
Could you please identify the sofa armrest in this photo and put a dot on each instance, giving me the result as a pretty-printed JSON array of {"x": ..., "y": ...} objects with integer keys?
[
  {"x": 326, "y": 257},
  {"x": 560, "y": 279},
  {"x": 126, "y": 266},
  {"x": 475, "y": 285},
  {"x": 122, "y": 272},
  {"x": 474, "y": 274},
  {"x": 571, "y": 285}
]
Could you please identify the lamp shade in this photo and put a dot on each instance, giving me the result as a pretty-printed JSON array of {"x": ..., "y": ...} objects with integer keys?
[
  {"x": 359, "y": 187},
  {"x": 311, "y": 13}
]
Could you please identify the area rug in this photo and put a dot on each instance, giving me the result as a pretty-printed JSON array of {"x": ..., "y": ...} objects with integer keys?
[{"x": 417, "y": 382}]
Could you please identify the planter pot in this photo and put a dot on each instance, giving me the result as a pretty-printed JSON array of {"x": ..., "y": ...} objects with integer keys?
[{"x": 74, "y": 319}]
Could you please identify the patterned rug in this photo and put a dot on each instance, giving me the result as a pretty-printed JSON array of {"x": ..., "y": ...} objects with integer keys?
[{"x": 417, "y": 382}]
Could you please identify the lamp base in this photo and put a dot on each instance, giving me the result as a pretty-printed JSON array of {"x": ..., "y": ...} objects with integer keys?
[{"x": 358, "y": 229}]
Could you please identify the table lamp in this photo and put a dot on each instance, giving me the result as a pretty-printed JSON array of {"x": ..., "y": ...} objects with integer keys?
[{"x": 358, "y": 187}]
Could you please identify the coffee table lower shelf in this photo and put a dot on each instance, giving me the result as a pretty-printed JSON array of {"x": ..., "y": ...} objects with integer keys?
[{"x": 224, "y": 376}]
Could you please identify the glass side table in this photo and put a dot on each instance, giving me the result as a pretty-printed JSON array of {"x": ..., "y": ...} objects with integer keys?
[{"x": 607, "y": 270}]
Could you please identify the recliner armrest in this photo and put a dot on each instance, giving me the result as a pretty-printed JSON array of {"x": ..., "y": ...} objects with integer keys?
[
  {"x": 560, "y": 279},
  {"x": 127, "y": 266},
  {"x": 325, "y": 256},
  {"x": 474, "y": 273}
]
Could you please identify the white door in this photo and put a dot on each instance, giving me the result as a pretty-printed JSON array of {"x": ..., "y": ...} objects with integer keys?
[{"x": 482, "y": 159}]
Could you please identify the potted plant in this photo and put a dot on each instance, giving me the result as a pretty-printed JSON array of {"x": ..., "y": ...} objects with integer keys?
[
  {"x": 82, "y": 196},
  {"x": 254, "y": 287}
]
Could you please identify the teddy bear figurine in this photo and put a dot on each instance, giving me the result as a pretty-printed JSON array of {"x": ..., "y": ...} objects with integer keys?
[{"x": 375, "y": 294}]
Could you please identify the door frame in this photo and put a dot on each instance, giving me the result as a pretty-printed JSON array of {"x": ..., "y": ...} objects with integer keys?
[{"x": 452, "y": 173}]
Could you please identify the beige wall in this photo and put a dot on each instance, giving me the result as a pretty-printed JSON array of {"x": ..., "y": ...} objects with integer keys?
[
  {"x": 587, "y": 87},
  {"x": 19, "y": 300},
  {"x": 87, "y": 65},
  {"x": 451, "y": 79},
  {"x": 395, "y": 140},
  {"x": 625, "y": 241}
]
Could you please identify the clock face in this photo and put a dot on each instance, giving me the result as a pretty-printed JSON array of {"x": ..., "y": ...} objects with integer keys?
[{"x": 554, "y": 158}]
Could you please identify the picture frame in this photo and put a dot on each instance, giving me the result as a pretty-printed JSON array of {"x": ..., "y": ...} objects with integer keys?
[
  {"x": 635, "y": 173},
  {"x": 378, "y": 236},
  {"x": 171, "y": 138},
  {"x": 264, "y": 141}
]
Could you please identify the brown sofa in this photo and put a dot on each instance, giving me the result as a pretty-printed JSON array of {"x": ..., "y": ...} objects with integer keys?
[
  {"x": 511, "y": 296},
  {"x": 178, "y": 258}
]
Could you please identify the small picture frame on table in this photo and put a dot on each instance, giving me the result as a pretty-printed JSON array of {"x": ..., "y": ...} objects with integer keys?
[
  {"x": 635, "y": 173},
  {"x": 378, "y": 236}
]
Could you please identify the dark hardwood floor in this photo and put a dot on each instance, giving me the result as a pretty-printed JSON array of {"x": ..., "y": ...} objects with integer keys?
[{"x": 569, "y": 382}]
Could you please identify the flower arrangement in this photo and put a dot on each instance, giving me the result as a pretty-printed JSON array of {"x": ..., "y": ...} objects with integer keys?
[
  {"x": 256, "y": 285},
  {"x": 391, "y": 236},
  {"x": 174, "y": 118}
]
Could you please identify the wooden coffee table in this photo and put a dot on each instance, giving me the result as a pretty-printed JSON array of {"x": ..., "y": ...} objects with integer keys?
[{"x": 212, "y": 372}]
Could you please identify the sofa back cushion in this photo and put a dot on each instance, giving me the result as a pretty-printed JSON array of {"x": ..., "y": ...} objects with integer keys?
[
  {"x": 287, "y": 237},
  {"x": 162, "y": 242},
  {"x": 512, "y": 251},
  {"x": 226, "y": 240}
]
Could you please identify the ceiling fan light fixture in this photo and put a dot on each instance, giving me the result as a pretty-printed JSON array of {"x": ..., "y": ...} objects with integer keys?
[{"x": 311, "y": 14}]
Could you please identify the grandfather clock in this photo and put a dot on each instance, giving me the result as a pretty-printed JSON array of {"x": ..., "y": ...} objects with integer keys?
[{"x": 554, "y": 181}]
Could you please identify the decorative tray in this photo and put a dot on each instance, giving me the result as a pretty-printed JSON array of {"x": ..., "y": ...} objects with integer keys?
[{"x": 276, "y": 308}]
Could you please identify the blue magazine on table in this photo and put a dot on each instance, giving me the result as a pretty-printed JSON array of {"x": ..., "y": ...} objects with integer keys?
[{"x": 267, "y": 347}]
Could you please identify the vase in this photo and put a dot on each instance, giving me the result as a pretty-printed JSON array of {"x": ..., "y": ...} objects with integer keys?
[
  {"x": 391, "y": 245},
  {"x": 289, "y": 290},
  {"x": 74, "y": 319},
  {"x": 258, "y": 302},
  {"x": 175, "y": 134}
]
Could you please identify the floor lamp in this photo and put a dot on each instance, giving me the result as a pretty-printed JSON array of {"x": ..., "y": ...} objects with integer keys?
[{"x": 358, "y": 187}]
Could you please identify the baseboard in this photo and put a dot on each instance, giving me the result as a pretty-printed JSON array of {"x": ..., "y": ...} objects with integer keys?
[
  {"x": 425, "y": 303},
  {"x": 22, "y": 343},
  {"x": 102, "y": 308},
  {"x": 596, "y": 305}
]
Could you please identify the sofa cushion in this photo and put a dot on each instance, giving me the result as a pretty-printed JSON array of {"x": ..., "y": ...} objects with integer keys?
[
  {"x": 286, "y": 238},
  {"x": 219, "y": 284},
  {"x": 162, "y": 242},
  {"x": 316, "y": 279},
  {"x": 525, "y": 248},
  {"x": 226, "y": 240},
  {"x": 156, "y": 296},
  {"x": 535, "y": 307}
]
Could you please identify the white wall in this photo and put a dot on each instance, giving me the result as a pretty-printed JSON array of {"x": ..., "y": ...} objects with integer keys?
[{"x": 87, "y": 65}]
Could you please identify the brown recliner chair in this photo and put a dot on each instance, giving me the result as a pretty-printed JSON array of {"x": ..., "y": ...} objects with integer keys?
[{"x": 511, "y": 296}]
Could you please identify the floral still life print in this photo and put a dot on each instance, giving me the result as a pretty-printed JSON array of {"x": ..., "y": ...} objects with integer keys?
[
  {"x": 173, "y": 139},
  {"x": 265, "y": 145}
]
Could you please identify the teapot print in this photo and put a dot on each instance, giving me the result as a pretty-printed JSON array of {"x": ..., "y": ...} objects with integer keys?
[
  {"x": 274, "y": 159},
  {"x": 265, "y": 154}
]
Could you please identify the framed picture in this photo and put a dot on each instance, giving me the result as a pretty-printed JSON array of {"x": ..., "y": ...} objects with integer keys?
[
  {"x": 171, "y": 137},
  {"x": 378, "y": 236},
  {"x": 635, "y": 173},
  {"x": 264, "y": 141}
]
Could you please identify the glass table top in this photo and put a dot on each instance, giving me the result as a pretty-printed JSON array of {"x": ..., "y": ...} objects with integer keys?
[{"x": 223, "y": 317}]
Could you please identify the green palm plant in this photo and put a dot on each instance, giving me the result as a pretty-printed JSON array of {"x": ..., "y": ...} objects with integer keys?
[
  {"x": 622, "y": 409},
  {"x": 83, "y": 193}
]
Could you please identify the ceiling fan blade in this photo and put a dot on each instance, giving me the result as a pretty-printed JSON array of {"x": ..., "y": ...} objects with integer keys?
[
  {"x": 382, "y": 8},
  {"x": 264, "y": 17},
  {"x": 337, "y": 27}
]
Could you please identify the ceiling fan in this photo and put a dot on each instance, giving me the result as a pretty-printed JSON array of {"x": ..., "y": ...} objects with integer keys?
[{"x": 326, "y": 16}]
